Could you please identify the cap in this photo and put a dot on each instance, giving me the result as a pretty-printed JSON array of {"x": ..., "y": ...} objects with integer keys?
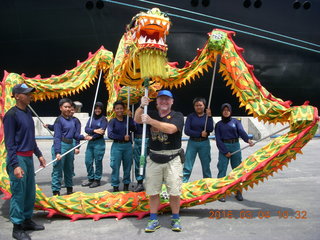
[
  {"x": 22, "y": 88},
  {"x": 165, "y": 93}
]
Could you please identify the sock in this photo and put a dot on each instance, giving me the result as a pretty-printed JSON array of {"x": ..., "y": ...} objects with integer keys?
[
  {"x": 175, "y": 216},
  {"x": 153, "y": 216}
]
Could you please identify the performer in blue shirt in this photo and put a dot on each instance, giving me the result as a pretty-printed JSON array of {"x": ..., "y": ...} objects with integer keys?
[
  {"x": 19, "y": 137},
  {"x": 96, "y": 147},
  {"x": 65, "y": 131},
  {"x": 74, "y": 141},
  {"x": 198, "y": 142},
  {"x": 227, "y": 132},
  {"x": 121, "y": 149}
]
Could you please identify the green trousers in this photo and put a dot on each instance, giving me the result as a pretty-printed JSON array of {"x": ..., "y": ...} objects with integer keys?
[
  {"x": 223, "y": 161},
  {"x": 94, "y": 156},
  {"x": 23, "y": 191},
  {"x": 120, "y": 152},
  {"x": 65, "y": 165},
  {"x": 203, "y": 149}
]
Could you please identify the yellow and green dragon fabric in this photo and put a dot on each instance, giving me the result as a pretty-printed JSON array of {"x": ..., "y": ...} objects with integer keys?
[{"x": 143, "y": 43}]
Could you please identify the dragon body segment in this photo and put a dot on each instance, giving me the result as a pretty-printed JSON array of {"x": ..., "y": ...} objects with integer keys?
[{"x": 125, "y": 74}]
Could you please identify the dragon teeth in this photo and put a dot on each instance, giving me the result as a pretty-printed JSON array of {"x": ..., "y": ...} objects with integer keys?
[
  {"x": 142, "y": 39},
  {"x": 158, "y": 22},
  {"x": 143, "y": 21},
  {"x": 161, "y": 41}
]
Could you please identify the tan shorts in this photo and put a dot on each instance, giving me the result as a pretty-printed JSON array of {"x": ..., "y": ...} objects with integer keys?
[{"x": 168, "y": 173}]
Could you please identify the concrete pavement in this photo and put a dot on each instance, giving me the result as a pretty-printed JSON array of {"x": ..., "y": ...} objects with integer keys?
[{"x": 290, "y": 198}]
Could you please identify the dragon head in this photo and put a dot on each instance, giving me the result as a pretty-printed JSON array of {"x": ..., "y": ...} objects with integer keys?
[
  {"x": 146, "y": 39},
  {"x": 149, "y": 30}
]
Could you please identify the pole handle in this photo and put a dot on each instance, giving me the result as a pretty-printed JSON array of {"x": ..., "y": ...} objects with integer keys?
[
  {"x": 128, "y": 108},
  {"x": 144, "y": 135},
  {"x": 95, "y": 98},
  {"x": 261, "y": 139},
  {"x": 54, "y": 160},
  {"x": 43, "y": 124},
  {"x": 211, "y": 89}
]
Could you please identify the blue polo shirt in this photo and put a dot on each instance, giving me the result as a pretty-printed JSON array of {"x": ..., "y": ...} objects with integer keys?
[
  {"x": 19, "y": 134},
  {"x": 96, "y": 124},
  {"x": 68, "y": 128},
  {"x": 195, "y": 125},
  {"x": 117, "y": 129},
  {"x": 230, "y": 130},
  {"x": 77, "y": 124}
]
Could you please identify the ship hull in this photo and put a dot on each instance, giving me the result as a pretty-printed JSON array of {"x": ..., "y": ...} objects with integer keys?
[{"x": 48, "y": 37}]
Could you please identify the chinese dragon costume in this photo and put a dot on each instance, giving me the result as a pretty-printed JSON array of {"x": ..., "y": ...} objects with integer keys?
[{"x": 141, "y": 50}]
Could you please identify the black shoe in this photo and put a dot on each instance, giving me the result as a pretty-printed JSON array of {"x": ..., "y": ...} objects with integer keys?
[
  {"x": 28, "y": 224},
  {"x": 96, "y": 183},
  {"x": 19, "y": 233},
  {"x": 222, "y": 199},
  {"x": 139, "y": 188},
  {"x": 115, "y": 189},
  {"x": 56, "y": 193},
  {"x": 69, "y": 190},
  {"x": 87, "y": 183},
  {"x": 126, "y": 187},
  {"x": 239, "y": 196}
]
